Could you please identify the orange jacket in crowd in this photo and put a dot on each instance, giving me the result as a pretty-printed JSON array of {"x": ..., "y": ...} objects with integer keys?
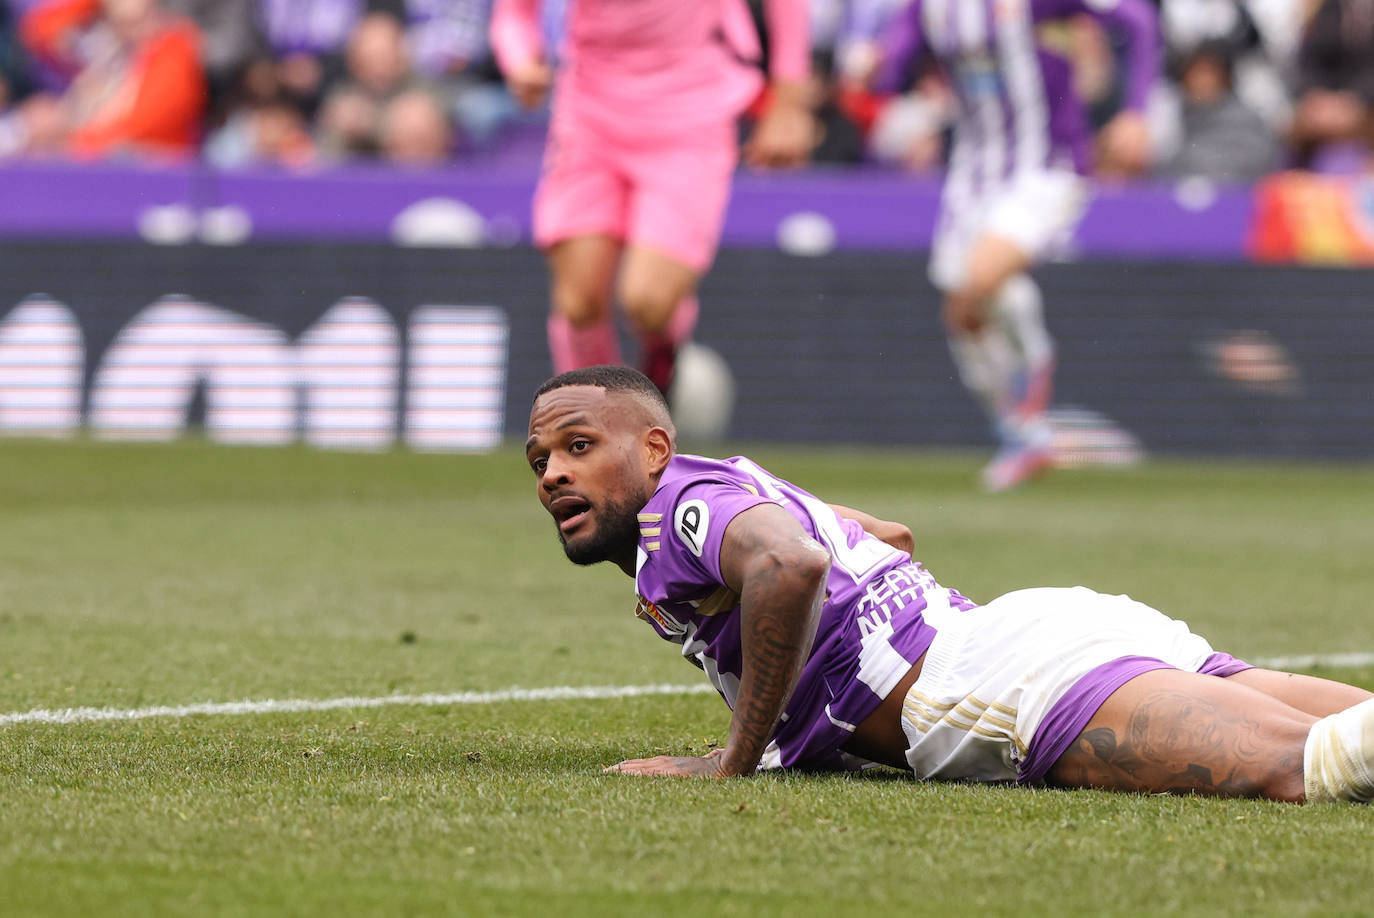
[{"x": 149, "y": 98}]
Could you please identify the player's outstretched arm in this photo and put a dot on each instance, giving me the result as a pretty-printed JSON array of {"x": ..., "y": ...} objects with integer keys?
[
  {"x": 1124, "y": 141},
  {"x": 779, "y": 572},
  {"x": 895, "y": 534},
  {"x": 518, "y": 45},
  {"x": 786, "y": 133}
]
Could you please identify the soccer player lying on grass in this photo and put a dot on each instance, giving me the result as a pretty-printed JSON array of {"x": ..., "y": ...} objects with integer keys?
[{"x": 833, "y": 647}]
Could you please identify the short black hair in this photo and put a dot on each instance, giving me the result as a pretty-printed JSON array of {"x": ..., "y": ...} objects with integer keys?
[{"x": 612, "y": 379}]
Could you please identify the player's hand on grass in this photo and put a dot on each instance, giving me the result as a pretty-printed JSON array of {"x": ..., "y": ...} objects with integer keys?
[{"x": 706, "y": 766}]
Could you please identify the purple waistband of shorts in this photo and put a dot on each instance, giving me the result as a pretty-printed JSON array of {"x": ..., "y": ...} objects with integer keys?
[
  {"x": 1223, "y": 664},
  {"x": 1071, "y": 713}
]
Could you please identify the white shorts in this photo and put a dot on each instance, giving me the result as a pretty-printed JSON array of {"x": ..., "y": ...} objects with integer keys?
[
  {"x": 997, "y": 674},
  {"x": 1037, "y": 211}
]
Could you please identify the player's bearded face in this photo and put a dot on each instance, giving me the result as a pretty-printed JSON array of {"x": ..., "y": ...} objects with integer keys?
[
  {"x": 588, "y": 453},
  {"x": 615, "y": 533}
]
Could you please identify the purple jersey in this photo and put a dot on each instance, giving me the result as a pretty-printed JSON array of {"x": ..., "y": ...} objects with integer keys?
[
  {"x": 1017, "y": 108},
  {"x": 871, "y": 629}
]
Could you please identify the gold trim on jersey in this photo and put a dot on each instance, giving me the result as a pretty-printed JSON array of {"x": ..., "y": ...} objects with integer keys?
[
  {"x": 650, "y": 531},
  {"x": 722, "y": 600}
]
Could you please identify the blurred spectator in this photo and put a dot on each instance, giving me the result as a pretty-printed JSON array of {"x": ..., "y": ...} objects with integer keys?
[
  {"x": 229, "y": 37},
  {"x": 1219, "y": 136},
  {"x": 1260, "y": 38},
  {"x": 849, "y": 32},
  {"x": 135, "y": 81},
  {"x": 14, "y": 67},
  {"x": 307, "y": 38},
  {"x": 415, "y": 130},
  {"x": 269, "y": 130},
  {"x": 448, "y": 40},
  {"x": 355, "y": 116},
  {"x": 448, "y": 37},
  {"x": 1333, "y": 124},
  {"x": 911, "y": 131}
]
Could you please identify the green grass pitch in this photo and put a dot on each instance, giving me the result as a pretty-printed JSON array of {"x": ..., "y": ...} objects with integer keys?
[{"x": 134, "y": 576}]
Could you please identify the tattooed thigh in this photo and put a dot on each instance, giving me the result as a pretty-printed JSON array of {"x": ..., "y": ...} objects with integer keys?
[{"x": 1178, "y": 742}]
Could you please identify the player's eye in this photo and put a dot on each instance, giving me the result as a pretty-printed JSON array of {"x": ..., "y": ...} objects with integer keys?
[
  {"x": 578, "y": 446},
  {"x": 539, "y": 465}
]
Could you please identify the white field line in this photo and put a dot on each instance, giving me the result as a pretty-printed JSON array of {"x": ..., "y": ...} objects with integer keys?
[
  {"x": 435, "y": 699},
  {"x": 1313, "y": 660},
  {"x": 293, "y": 705}
]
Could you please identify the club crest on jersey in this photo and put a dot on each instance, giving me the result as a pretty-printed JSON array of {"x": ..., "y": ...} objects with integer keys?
[
  {"x": 690, "y": 522},
  {"x": 650, "y": 611}
]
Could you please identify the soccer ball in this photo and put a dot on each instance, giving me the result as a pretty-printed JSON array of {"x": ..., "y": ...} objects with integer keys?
[{"x": 702, "y": 396}]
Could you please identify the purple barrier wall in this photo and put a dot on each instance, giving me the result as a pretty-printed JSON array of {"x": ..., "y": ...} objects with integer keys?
[{"x": 810, "y": 212}]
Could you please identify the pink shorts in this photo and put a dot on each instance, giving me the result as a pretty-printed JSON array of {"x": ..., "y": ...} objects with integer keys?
[{"x": 667, "y": 194}]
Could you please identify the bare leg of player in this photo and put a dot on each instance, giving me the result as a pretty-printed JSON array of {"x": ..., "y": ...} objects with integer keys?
[
  {"x": 658, "y": 294},
  {"x": 1179, "y": 732},
  {"x": 991, "y": 263},
  {"x": 581, "y": 327},
  {"x": 996, "y": 332},
  {"x": 1314, "y": 695}
]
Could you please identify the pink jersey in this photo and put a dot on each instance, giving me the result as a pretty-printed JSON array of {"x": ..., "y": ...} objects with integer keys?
[{"x": 649, "y": 66}]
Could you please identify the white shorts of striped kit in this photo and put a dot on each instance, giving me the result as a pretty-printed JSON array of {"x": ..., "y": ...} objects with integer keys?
[
  {"x": 1037, "y": 210},
  {"x": 993, "y": 674}
]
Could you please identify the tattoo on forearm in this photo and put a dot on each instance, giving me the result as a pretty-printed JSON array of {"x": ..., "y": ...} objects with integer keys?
[
  {"x": 775, "y": 669},
  {"x": 778, "y": 629}
]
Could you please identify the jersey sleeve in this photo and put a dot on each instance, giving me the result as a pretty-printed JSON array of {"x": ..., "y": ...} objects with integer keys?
[
  {"x": 789, "y": 39},
  {"x": 1137, "y": 23},
  {"x": 693, "y": 529},
  {"x": 48, "y": 30},
  {"x": 900, "y": 49},
  {"x": 514, "y": 33}
]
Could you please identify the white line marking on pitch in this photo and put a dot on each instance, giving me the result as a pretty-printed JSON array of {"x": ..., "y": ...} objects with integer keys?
[
  {"x": 1312, "y": 660},
  {"x": 435, "y": 699},
  {"x": 290, "y": 705}
]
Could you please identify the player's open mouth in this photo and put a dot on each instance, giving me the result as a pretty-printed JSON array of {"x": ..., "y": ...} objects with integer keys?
[{"x": 569, "y": 512}]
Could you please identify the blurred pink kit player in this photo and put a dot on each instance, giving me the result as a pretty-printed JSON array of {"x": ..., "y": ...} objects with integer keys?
[{"x": 642, "y": 146}]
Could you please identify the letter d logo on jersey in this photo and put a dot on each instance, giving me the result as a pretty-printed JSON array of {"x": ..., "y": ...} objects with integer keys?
[{"x": 690, "y": 522}]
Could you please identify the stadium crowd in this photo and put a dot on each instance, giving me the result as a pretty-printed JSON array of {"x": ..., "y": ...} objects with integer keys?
[{"x": 1251, "y": 85}]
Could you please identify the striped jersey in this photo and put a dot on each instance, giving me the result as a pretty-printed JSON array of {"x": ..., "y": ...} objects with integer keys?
[
  {"x": 872, "y": 629},
  {"x": 1007, "y": 64}
]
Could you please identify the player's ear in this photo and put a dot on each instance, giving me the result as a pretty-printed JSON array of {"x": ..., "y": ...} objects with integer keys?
[{"x": 658, "y": 450}]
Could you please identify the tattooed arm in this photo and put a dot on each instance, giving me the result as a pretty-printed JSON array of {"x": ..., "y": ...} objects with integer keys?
[{"x": 779, "y": 572}]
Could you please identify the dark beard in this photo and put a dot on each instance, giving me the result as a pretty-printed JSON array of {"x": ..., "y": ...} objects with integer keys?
[{"x": 617, "y": 533}]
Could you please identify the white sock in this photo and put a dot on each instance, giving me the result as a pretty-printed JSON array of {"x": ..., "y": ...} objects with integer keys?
[
  {"x": 986, "y": 363},
  {"x": 1338, "y": 759},
  {"x": 1020, "y": 306}
]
